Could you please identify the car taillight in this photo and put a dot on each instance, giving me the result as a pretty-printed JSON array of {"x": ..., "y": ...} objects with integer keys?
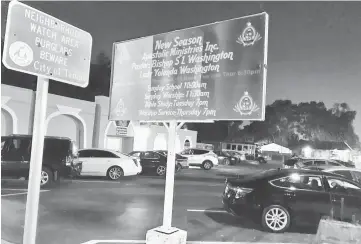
[
  {"x": 241, "y": 192},
  {"x": 238, "y": 191}
]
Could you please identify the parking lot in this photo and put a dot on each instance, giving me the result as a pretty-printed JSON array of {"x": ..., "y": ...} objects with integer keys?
[{"x": 83, "y": 210}]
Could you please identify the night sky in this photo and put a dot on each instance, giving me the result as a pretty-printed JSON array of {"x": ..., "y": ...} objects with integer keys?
[{"x": 314, "y": 47}]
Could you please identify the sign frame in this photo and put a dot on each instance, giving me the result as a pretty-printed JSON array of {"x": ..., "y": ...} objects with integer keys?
[
  {"x": 39, "y": 127},
  {"x": 5, "y": 53},
  {"x": 263, "y": 67}
]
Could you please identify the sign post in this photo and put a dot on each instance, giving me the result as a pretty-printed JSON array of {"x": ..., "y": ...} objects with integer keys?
[
  {"x": 39, "y": 44},
  {"x": 169, "y": 183},
  {"x": 36, "y": 159},
  {"x": 205, "y": 73}
]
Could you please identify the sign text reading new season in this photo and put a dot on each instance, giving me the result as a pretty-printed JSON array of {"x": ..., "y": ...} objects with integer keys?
[{"x": 212, "y": 72}]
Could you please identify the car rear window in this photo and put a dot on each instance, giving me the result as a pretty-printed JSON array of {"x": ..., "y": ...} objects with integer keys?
[{"x": 344, "y": 173}]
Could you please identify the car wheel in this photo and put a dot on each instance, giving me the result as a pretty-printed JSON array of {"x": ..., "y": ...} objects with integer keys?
[
  {"x": 207, "y": 165},
  {"x": 262, "y": 161},
  {"x": 46, "y": 177},
  {"x": 227, "y": 161},
  {"x": 161, "y": 170},
  {"x": 115, "y": 172},
  {"x": 276, "y": 219}
]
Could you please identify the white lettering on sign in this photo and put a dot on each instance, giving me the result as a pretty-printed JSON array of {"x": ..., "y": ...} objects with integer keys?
[
  {"x": 186, "y": 42},
  {"x": 74, "y": 76},
  {"x": 51, "y": 23},
  {"x": 42, "y": 67},
  {"x": 69, "y": 41},
  {"x": 41, "y": 30},
  {"x": 161, "y": 45},
  {"x": 53, "y": 58},
  {"x": 54, "y": 47}
]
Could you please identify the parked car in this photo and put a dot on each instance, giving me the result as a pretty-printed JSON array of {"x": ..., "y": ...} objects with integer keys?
[
  {"x": 152, "y": 161},
  {"x": 240, "y": 155},
  {"x": 60, "y": 158},
  {"x": 226, "y": 158},
  {"x": 304, "y": 162},
  {"x": 201, "y": 158},
  {"x": 183, "y": 161},
  {"x": 279, "y": 198},
  {"x": 347, "y": 172},
  {"x": 108, "y": 163},
  {"x": 346, "y": 164}
]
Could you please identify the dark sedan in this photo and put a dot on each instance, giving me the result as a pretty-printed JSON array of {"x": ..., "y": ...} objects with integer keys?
[
  {"x": 182, "y": 161},
  {"x": 279, "y": 198},
  {"x": 153, "y": 162},
  {"x": 226, "y": 158}
]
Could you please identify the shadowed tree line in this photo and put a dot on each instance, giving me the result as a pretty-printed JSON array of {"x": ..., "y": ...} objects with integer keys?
[{"x": 286, "y": 123}]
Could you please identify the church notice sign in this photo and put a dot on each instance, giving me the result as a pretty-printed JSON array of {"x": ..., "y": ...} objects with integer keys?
[
  {"x": 210, "y": 72},
  {"x": 39, "y": 44}
]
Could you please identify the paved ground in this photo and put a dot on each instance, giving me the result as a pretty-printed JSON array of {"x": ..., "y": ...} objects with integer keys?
[{"x": 79, "y": 211}]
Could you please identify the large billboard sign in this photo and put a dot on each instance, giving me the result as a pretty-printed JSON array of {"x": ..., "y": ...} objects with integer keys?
[
  {"x": 39, "y": 44},
  {"x": 210, "y": 72}
]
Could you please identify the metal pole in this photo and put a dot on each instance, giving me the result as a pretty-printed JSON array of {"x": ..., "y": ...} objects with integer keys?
[
  {"x": 36, "y": 160},
  {"x": 169, "y": 183}
]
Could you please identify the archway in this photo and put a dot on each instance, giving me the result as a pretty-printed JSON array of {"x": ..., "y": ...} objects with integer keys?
[
  {"x": 110, "y": 123},
  {"x": 80, "y": 127},
  {"x": 9, "y": 121},
  {"x": 108, "y": 129},
  {"x": 187, "y": 144}
]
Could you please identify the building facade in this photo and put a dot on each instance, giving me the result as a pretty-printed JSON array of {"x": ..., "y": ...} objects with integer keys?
[{"x": 83, "y": 121}]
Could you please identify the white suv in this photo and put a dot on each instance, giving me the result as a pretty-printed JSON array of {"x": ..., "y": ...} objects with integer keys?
[{"x": 201, "y": 158}]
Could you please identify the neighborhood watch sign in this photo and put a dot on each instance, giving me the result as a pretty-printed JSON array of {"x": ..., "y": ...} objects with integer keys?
[{"x": 212, "y": 72}]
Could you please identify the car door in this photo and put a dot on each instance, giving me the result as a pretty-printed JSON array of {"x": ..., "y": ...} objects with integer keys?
[
  {"x": 308, "y": 201},
  {"x": 150, "y": 159},
  {"x": 346, "y": 199},
  {"x": 106, "y": 160},
  {"x": 84, "y": 158},
  {"x": 15, "y": 158},
  {"x": 199, "y": 156},
  {"x": 90, "y": 160},
  {"x": 189, "y": 154}
]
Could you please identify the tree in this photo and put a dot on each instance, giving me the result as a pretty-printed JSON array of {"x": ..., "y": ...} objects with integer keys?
[
  {"x": 100, "y": 72},
  {"x": 287, "y": 123}
]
